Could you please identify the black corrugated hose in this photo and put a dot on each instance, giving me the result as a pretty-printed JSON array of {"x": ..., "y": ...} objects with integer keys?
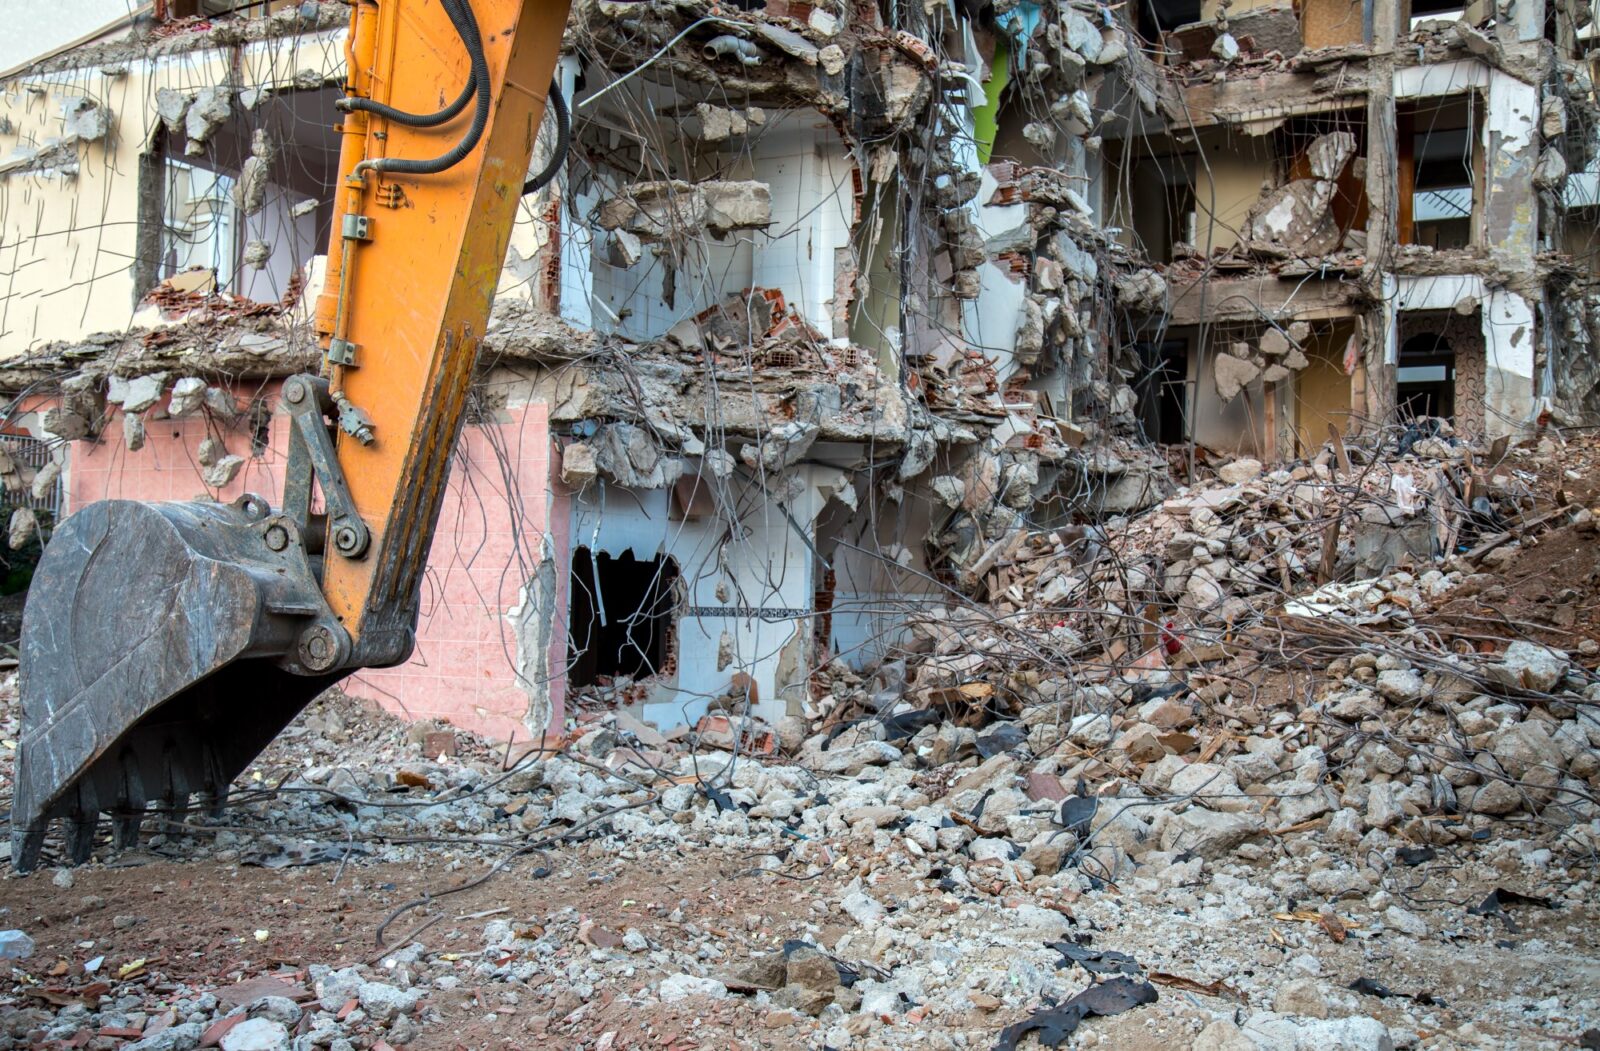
[
  {"x": 467, "y": 25},
  {"x": 558, "y": 104}
]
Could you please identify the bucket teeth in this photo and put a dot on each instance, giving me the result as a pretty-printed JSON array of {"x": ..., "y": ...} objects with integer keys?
[
  {"x": 26, "y": 846},
  {"x": 80, "y": 829},
  {"x": 125, "y": 829}
]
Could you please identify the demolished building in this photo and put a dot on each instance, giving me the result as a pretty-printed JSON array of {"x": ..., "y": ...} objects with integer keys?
[{"x": 829, "y": 305}]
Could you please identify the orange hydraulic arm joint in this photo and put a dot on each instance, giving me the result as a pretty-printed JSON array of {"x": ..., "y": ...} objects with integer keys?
[{"x": 444, "y": 102}]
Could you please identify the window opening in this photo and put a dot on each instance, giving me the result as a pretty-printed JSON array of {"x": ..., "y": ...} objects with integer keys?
[{"x": 1438, "y": 174}]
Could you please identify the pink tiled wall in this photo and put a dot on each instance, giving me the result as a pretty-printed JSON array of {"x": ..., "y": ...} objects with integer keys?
[{"x": 491, "y": 536}]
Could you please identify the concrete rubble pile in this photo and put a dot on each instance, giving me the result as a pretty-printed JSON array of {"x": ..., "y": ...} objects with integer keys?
[{"x": 1251, "y": 825}]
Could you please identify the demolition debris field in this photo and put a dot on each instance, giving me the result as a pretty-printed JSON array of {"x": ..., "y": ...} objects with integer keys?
[{"x": 1250, "y": 770}]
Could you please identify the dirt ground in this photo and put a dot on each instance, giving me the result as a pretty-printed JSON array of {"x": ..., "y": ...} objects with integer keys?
[{"x": 195, "y": 924}]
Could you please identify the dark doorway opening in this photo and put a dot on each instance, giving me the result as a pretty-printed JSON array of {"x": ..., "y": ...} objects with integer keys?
[
  {"x": 1426, "y": 378},
  {"x": 1163, "y": 16},
  {"x": 620, "y": 616},
  {"x": 1163, "y": 391}
]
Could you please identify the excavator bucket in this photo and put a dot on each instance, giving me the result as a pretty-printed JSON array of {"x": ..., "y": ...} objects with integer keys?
[{"x": 163, "y": 646}]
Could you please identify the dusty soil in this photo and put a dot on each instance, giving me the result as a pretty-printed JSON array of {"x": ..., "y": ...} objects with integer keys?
[{"x": 196, "y": 924}]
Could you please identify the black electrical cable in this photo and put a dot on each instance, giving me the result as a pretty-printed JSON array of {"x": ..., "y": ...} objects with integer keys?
[
  {"x": 466, "y": 24},
  {"x": 558, "y": 104}
]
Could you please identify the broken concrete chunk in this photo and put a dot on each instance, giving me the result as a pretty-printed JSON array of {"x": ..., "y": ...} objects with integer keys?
[
  {"x": 220, "y": 403},
  {"x": 1233, "y": 375},
  {"x": 1275, "y": 374},
  {"x": 578, "y": 468},
  {"x": 832, "y": 58},
  {"x": 209, "y": 111},
  {"x": 1210, "y": 834},
  {"x": 1030, "y": 332},
  {"x": 1083, "y": 36},
  {"x": 1274, "y": 342},
  {"x": 787, "y": 41},
  {"x": 781, "y": 447},
  {"x": 24, "y": 523},
  {"x": 1113, "y": 46},
  {"x": 171, "y": 107},
  {"x": 250, "y": 191},
  {"x": 1143, "y": 290},
  {"x": 132, "y": 432},
  {"x": 256, "y": 1034},
  {"x": 1040, "y": 135},
  {"x": 719, "y": 462},
  {"x": 188, "y": 394},
  {"x": 211, "y": 452},
  {"x": 65, "y": 423},
  {"x": 629, "y": 456},
  {"x": 667, "y": 209},
  {"x": 1240, "y": 471},
  {"x": 736, "y": 205},
  {"x": 1553, "y": 117},
  {"x": 950, "y": 489},
  {"x": 136, "y": 394},
  {"x": 1328, "y": 154},
  {"x": 256, "y": 254},
  {"x": 85, "y": 119},
  {"x": 1551, "y": 171},
  {"x": 1225, "y": 48},
  {"x": 921, "y": 447},
  {"x": 623, "y": 249},
  {"x": 45, "y": 481},
  {"x": 223, "y": 471},
  {"x": 718, "y": 124},
  {"x": 1296, "y": 359},
  {"x": 1529, "y": 666}
]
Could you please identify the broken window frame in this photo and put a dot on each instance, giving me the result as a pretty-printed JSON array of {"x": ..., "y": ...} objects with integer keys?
[
  {"x": 1163, "y": 382},
  {"x": 190, "y": 240},
  {"x": 224, "y": 155},
  {"x": 1181, "y": 205},
  {"x": 1412, "y": 124}
]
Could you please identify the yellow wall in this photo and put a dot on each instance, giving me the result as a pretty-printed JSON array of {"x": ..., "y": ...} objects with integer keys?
[
  {"x": 1208, "y": 8},
  {"x": 1227, "y": 184},
  {"x": 1322, "y": 390}
]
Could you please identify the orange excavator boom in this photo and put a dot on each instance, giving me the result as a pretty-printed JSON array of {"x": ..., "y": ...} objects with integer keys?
[{"x": 164, "y": 645}]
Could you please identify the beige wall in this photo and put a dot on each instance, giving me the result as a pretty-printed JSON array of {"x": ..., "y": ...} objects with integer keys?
[{"x": 68, "y": 242}]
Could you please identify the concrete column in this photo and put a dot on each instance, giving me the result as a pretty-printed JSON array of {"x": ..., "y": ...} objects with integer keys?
[
  {"x": 1382, "y": 213},
  {"x": 1508, "y": 342}
]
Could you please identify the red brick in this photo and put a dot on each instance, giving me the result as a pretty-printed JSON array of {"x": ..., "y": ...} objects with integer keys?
[{"x": 214, "y": 1033}]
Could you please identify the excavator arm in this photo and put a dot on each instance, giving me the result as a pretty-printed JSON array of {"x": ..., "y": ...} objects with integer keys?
[{"x": 164, "y": 645}]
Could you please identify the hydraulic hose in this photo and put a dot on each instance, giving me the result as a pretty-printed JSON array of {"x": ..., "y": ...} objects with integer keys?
[
  {"x": 412, "y": 120},
  {"x": 460, "y": 12},
  {"x": 558, "y": 104}
]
